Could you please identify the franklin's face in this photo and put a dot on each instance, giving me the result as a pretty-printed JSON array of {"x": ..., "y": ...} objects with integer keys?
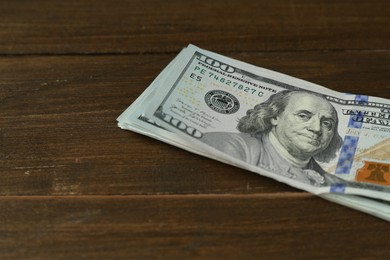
[{"x": 306, "y": 126}]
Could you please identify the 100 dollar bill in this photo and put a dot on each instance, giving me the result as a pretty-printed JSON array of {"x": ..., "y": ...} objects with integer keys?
[
  {"x": 305, "y": 135},
  {"x": 134, "y": 119}
]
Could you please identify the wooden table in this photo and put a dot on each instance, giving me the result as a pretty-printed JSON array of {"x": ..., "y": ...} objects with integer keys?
[{"x": 73, "y": 185}]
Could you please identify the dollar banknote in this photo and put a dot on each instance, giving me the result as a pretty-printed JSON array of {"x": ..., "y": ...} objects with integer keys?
[{"x": 294, "y": 131}]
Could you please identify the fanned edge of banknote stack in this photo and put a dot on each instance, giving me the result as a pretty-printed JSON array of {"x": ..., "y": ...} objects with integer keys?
[{"x": 137, "y": 118}]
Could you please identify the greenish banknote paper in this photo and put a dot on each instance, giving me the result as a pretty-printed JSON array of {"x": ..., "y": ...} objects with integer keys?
[{"x": 291, "y": 130}]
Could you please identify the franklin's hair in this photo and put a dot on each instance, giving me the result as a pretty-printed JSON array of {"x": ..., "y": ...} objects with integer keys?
[{"x": 257, "y": 121}]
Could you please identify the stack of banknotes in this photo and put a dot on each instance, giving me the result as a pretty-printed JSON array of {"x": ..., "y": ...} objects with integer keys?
[{"x": 332, "y": 144}]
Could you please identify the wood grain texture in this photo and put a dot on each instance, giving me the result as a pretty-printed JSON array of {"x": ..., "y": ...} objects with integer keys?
[
  {"x": 167, "y": 26},
  {"x": 193, "y": 226},
  {"x": 73, "y": 185},
  {"x": 59, "y": 134}
]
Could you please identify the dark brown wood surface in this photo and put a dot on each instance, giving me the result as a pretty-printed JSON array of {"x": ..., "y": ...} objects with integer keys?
[{"x": 73, "y": 185}]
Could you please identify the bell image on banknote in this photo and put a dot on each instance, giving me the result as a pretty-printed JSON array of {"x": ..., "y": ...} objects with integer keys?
[{"x": 335, "y": 145}]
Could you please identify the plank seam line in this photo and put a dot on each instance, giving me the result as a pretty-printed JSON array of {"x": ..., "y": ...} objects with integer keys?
[
  {"x": 163, "y": 196},
  {"x": 144, "y": 53}
]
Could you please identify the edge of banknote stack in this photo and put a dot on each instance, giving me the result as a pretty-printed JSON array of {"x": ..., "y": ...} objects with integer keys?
[{"x": 222, "y": 108}]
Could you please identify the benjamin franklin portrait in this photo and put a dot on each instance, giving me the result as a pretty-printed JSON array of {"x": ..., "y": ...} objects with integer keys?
[{"x": 288, "y": 134}]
